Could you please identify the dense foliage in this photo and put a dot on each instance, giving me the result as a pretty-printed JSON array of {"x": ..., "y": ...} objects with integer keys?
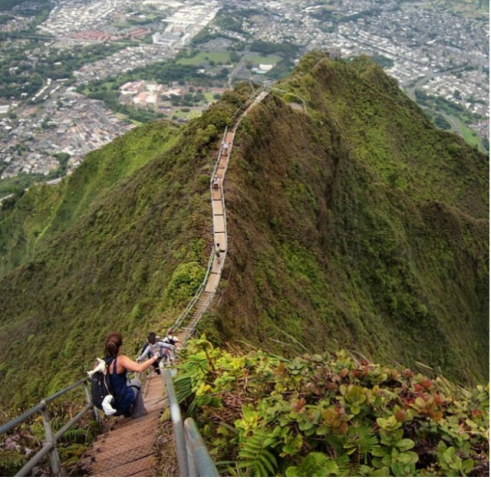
[
  {"x": 318, "y": 415},
  {"x": 357, "y": 225},
  {"x": 288, "y": 50},
  {"x": 121, "y": 244}
]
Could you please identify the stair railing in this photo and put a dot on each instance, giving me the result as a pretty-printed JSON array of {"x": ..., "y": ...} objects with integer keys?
[
  {"x": 189, "y": 308},
  {"x": 177, "y": 324},
  {"x": 192, "y": 455},
  {"x": 50, "y": 445},
  {"x": 189, "y": 329}
]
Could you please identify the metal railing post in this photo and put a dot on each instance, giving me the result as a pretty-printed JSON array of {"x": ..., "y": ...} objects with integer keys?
[
  {"x": 204, "y": 463},
  {"x": 178, "y": 426},
  {"x": 88, "y": 396},
  {"x": 50, "y": 438}
]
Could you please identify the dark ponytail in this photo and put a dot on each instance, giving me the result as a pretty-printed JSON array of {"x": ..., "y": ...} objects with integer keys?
[{"x": 113, "y": 343}]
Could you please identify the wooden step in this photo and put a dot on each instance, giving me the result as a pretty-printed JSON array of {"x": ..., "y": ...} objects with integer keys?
[{"x": 129, "y": 469}]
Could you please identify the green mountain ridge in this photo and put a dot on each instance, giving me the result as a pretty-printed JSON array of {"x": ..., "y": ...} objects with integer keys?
[
  {"x": 356, "y": 225},
  {"x": 361, "y": 243}
]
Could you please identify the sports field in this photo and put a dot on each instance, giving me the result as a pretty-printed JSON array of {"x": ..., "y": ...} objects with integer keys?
[{"x": 204, "y": 57}]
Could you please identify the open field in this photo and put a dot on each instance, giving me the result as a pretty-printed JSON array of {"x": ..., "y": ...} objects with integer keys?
[
  {"x": 209, "y": 97},
  {"x": 471, "y": 136},
  {"x": 204, "y": 57},
  {"x": 177, "y": 113}
]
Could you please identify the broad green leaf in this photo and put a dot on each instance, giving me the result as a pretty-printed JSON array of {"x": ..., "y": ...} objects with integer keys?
[{"x": 405, "y": 444}]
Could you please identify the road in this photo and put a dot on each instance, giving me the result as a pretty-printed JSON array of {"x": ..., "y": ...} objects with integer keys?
[
  {"x": 455, "y": 124},
  {"x": 421, "y": 81},
  {"x": 456, "y": 127},
  {"x": 237, "y": 68}
]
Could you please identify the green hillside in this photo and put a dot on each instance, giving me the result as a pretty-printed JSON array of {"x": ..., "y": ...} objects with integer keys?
[
  {"x": 133, "y": 254},
  {"x": 47, "y": 211},
  {"x": 356, "y": 225}
]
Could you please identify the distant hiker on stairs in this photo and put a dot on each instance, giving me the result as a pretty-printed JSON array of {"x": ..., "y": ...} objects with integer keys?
[
  {"x": 224, "y": 148},
  {"x": 162, "y": 348},
  {"x": 171, "y": 340},
  {"x": 218, "y": 251}
]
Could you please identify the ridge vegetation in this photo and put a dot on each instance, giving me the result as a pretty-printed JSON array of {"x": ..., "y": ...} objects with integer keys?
[
  {"x": 356, "y": 225},
  {"x": 327, "y": 416}
]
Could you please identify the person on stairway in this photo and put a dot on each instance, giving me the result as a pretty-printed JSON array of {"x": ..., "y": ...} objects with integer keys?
[
  {"x": 149, "y": 352},
  {"x": 128, "y": 395},
  {"x": 218, "y": 251},
  {"x": 164, "y": 350},
  {"x": 171, "y": 339},
  {"x": 224, "y": 147}
]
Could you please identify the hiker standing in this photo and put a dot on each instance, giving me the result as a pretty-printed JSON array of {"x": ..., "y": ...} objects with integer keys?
[
  {"x": 171, "y": 340},
  {"x": 126, "y": 392},
  {"x": 218, "y": 251},
  {"x": 225, "y": 147},
  {"x": 215, "y": 183},
  {"x": 148, "y": 351},
  {"x": 163, "y": 349}
]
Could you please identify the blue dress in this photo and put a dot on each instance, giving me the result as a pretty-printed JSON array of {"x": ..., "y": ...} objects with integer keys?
[{"x": 123, "y": 394}]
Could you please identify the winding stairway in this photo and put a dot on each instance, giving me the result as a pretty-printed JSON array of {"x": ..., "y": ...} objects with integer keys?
[{"x": 128, "y": 447}]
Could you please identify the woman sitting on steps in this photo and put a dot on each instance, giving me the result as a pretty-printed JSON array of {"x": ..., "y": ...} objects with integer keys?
[{"x": 127, "y": 393}]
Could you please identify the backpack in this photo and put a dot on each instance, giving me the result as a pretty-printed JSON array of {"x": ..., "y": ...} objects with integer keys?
[{"x": 101, "y": 385}]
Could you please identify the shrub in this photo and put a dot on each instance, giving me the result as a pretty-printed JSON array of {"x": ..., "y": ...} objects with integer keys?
[{"x": 274, "y": 416}]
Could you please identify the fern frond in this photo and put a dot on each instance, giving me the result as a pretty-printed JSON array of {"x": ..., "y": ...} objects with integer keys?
[
  {"x": 74, "y": 434},
  {"x": 255, "y": 456}
]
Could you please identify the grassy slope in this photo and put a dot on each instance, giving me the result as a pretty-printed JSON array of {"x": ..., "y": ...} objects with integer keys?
[
  {"x": 344, "y": 231},
  {"x": 359, "y": 226},
  {"x": 115, "y": 267},
  {"x": 47, "y": 210}
]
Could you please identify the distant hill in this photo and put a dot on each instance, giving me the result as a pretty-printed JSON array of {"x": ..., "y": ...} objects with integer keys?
[{"x": 356, "y": 225}]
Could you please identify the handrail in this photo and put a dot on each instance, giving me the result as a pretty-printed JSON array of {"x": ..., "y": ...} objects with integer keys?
[
  {"x": 183, "y": 315},
  {"x": 51, "y": 437},
  {"x": 198, "y": 453},
  {"x": 190, "y": 305},
  {"x": 177, "y": 424},
  {"x": 177, "y": 324},
  {"x": 192, "y": 455}
]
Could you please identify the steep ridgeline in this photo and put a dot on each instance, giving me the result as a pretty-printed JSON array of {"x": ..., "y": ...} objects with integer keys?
[
  {"x": 358, "y": 225},
  {"x": 122, "y": 244}
]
